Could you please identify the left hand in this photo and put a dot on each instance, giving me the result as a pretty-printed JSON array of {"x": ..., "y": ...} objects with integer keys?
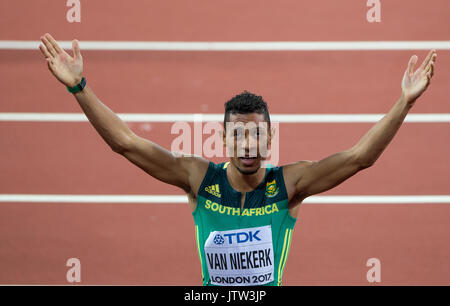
[
  {"x": 414, "y": 83},
  {"x": 67, "y": 69}
]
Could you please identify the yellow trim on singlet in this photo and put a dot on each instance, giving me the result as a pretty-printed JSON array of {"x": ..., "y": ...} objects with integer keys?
[
  {"x": 198, "y": 249},
  {"x": 284, "y": 253}
]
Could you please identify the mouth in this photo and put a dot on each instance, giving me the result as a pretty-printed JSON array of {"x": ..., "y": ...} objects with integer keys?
[{"x": 248, "y": 161}]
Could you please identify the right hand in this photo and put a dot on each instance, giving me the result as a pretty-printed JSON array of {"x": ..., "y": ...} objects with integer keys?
[
  {"x": 416, "y": 81},
  {"x": 67, "y": 69}
]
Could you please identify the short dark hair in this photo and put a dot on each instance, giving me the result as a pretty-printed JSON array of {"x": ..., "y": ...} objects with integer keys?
[{"x": 246, "y": 103}]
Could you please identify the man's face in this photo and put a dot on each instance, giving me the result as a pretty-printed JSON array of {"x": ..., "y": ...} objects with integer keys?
[{"x": 247, "y": 139}]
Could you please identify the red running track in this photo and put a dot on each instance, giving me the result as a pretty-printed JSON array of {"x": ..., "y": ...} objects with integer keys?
[
  {"x": 70, "y": 158},
  {"x": 201, "y": 82},
  {"x": 232, "y": 20},
  {"x": 154, "y": 244}
]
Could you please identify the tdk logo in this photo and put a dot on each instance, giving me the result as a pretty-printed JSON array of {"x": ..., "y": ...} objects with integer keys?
[
  {"x": 241, "y": 237},
  {"x": 218, "y": 239}
]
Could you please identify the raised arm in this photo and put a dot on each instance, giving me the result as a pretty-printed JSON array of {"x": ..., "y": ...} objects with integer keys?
[
  {"x": 311, "y": 177},
  {"x": 185, "y": 172}
]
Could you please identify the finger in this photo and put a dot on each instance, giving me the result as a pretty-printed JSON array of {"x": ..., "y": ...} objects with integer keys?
[
  {"x": 50, "y": 64},
  {"x": 430, "y": 72},
  {"x": 49, "y": 46},
  {"x": 44, "y": 51},
  {"x": 432, "y": 69},
  {"x": 433, "y": 61},
  {"x": 411, "y": 64},
  {"x": 76, "y": 49},
  {"x": 430, "y": 66},
  {"x": 53, "y": 42},
  {"x": 430, "y": 55}
]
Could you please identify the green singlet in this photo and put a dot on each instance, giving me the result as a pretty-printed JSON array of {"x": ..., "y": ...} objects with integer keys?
[{"x": 242, "y": 247}]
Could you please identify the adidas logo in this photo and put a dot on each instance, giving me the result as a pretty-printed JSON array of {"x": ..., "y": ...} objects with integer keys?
[{"x": 214, "y": 190}]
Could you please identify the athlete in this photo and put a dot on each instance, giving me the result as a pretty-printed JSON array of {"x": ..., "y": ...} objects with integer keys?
[{"x": 244, "y": 213}]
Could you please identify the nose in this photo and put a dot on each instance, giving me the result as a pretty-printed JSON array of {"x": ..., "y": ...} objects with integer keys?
[{"x": 251, "y": 145}]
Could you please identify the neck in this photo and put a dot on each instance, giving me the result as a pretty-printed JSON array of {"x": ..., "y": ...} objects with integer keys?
[{"x": 244, "y": 182}]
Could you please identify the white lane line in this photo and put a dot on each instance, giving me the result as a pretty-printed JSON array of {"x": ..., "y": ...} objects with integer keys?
[
  {"x": 176, "y": 199},
  {"x": 281, "y": 118},
  {"x": 236, "y": 46}
]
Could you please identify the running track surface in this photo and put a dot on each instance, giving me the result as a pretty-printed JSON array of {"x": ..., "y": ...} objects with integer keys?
[{"x": 154, "y": 243}]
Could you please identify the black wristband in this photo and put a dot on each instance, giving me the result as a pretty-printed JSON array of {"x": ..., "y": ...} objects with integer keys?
[{"x": 77, "y": 88}]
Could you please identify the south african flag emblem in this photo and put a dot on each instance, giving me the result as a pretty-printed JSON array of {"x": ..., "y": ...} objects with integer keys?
[{"x": 271, "y": 189}]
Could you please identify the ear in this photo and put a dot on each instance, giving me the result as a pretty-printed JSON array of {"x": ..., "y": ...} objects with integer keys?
[
  {"x": 271, "y": 134},
  {"x": 224, "y": 137}
]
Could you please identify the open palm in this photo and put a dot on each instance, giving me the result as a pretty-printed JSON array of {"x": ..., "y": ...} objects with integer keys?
[
  {"x": 67, "y": 69},
  {"x": 414, "y": 83}
]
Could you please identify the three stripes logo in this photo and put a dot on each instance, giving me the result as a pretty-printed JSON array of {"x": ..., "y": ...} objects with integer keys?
[{"x": 214, "y": 190}]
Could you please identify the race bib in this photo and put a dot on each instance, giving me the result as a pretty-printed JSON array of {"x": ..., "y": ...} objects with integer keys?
[{"x": 242, "y": 257}]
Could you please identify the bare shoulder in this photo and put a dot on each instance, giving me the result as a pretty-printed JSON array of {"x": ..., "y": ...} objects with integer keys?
[
  {"x": 292, "y": 173},
  {"x": 196, "y": 166}
]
